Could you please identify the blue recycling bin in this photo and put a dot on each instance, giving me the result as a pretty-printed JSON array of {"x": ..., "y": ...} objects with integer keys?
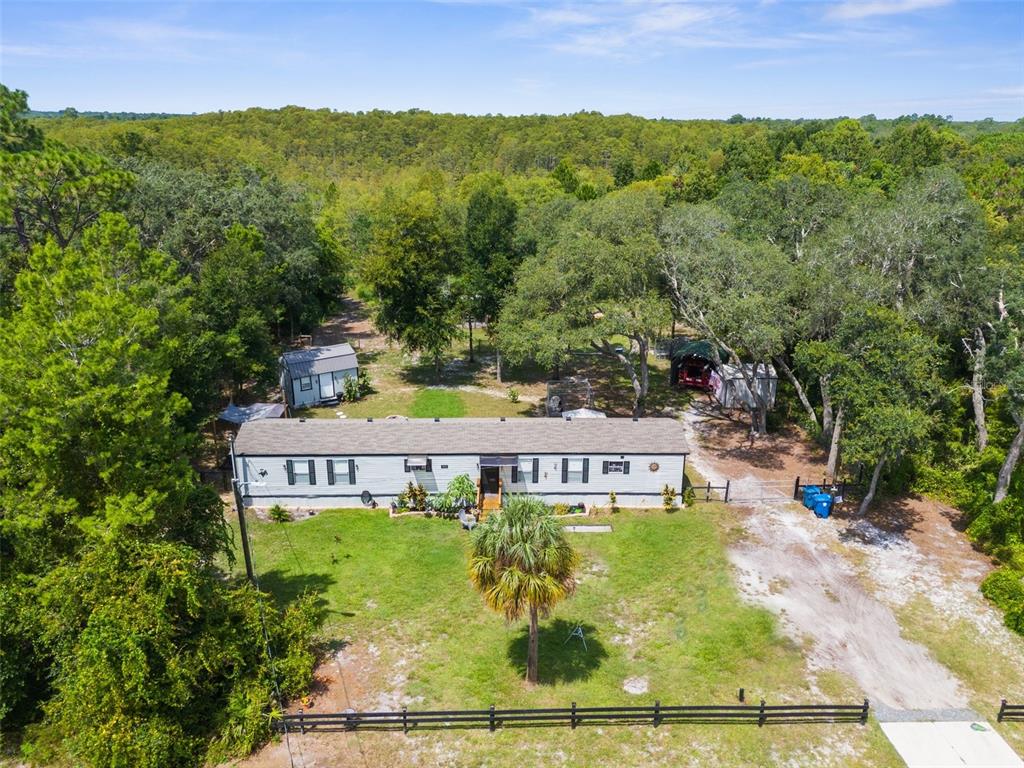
[
  {"x": 810, "y": 491},
  {"x": 823, "y": 505}
]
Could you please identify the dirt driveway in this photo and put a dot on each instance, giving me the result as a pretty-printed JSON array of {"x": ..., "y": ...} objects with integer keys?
[{"x": 837, "y": 582}]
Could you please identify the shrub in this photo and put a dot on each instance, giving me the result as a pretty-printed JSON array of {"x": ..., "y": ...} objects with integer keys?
[
  {"x": 460, "y": 493},
  {"x": 1005, "y": 588},
  {"x": 350, "y": 390},
  {"x": 402, "y": 500},
  {"x": 279, "y": 514},
  {"x": 668, "y": 498},
  {"x": 413, "y": 497},
  {"x": 363, "y": 380},
  {"x": 689, "y": 496},
  {"x": 613, "y": 501},
  {"x": 513, "y": 394},
  {"x": 560, "y": 509}
]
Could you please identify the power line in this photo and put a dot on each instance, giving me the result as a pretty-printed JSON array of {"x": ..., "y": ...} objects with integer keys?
[{"x": 270, "y": 657}]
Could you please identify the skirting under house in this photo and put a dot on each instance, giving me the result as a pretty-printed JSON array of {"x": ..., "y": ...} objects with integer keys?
[{"x": 322, "y": 463}]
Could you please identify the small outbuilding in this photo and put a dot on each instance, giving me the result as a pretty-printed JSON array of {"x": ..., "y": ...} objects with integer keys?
[
  {"x": 731, "y": 390},
  {"x": 317, "y": 375},
  {"x": 240, "y": 414},
  {"x": 692, "y": 362}
]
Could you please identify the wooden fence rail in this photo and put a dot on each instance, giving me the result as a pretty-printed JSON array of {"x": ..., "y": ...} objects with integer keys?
[
  {"x": 1009, "y": 712},
  {"x": 491, "y": 718},
  {"x": 703, "y": 492}
]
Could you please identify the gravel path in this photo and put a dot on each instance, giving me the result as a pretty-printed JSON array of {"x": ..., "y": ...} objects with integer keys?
[{"x": 789, "y": 563}]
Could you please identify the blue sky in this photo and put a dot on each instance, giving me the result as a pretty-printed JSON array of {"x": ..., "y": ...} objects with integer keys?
[{"x": 659, "y": 59}]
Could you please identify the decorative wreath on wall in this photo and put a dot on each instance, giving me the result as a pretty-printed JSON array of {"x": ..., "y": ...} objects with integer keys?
[{"x": 654, "y": 466}]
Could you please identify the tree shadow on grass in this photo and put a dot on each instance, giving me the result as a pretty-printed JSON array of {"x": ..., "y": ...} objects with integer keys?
[
  {"x": 286, "y": 587},
  {"x": 563, "y": 659}
]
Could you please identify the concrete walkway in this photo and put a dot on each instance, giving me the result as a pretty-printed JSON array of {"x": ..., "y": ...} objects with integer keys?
[{"x": 950, "y": 745}]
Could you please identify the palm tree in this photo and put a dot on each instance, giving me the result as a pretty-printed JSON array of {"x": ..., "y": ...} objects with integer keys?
[{"x": 521, "y": 562}]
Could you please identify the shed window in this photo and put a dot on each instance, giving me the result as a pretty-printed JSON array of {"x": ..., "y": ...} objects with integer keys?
[{"x": 306, "y": 383}]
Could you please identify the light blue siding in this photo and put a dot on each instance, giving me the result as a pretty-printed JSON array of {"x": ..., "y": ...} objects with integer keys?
[{"x": 265, "y": 479}]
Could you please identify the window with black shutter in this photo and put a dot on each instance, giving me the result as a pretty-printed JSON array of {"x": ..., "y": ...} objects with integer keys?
[
  {"x": 586, "y": 470},
  {"x": 536, "y": 470},
  {"x": 290, "y": 467},
  {"x": 351, "y": 471},
  {"x": 625, "y": 467},
  {"x": 515, "y": 474},
  {"x": 604, "y": 467},
  {"x": 330, "y": 471},
  {"x": 565, "y": 470},
  {"x": 312, "y": 472}
]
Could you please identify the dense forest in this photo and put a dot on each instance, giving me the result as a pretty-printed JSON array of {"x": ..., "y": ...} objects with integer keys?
[{"x": 151, "y": 268}]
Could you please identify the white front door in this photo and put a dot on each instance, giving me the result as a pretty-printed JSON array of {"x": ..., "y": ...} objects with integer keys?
[{"x": 326, "y": 386}]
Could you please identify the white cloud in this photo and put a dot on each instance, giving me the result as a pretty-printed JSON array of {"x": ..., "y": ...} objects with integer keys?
[
  {"x": 117, "y": 39},
  {"x": 640, "y": 29},
  {"x": 144, "y": 32},
  {"x": 863, "y": 9},
  {"x": 1013, "y": 91}
]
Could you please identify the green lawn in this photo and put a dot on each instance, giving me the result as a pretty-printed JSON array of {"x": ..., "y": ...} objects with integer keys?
[
  {"x": 428, "y": 403},
  {"x": 656, "y": 600}
]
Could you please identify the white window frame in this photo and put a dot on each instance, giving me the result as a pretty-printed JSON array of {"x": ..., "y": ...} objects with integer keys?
[{"x": 300, "y": 471}]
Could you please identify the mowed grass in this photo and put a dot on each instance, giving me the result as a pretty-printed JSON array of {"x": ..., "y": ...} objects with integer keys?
[
  {"x": 427, "y": 403},
  {"x": 656, "y": 601}
]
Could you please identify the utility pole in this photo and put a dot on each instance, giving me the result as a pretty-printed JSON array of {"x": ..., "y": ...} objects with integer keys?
[{"x": 240, "y": 508}]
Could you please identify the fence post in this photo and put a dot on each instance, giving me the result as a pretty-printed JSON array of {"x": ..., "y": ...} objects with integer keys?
[
  {"x": 405, "y": 719},
  {"x": 657, "y": 712},
  {"x": 727, "y": 482},
  {"x": 864, "y": 713},
  {"x": 491, "y": 724},
  {"x": 742, "y": 695},
  {"x": 707, "y": 493},
  {"x": 796, "y": 489},
  {"x": 302, "y": 725},
  {"x": 1002, "y": 711},
  {"x": 761, "y": 715},
  {"x": 572, "y": 717}
]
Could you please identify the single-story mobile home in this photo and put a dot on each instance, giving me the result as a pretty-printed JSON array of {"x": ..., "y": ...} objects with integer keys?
[
  {"x": 317, "y": 374},
  {"x": 323, "y": 463}
]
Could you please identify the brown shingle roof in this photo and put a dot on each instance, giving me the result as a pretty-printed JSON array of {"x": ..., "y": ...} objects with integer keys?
[{"x": 460, "y": 436}]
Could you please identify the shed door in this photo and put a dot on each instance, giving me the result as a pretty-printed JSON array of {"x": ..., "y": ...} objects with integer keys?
[{"x": 326, "y": 386}]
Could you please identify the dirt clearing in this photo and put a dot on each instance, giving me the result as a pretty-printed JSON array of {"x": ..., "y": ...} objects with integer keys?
[{"x": 794, "y": 564}]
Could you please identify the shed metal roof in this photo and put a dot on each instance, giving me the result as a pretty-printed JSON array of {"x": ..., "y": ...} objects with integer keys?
[
  {"x": 314, "y": 360},
  {"x": 239, "y": 414},
  {"x": 286, "y": 437}
]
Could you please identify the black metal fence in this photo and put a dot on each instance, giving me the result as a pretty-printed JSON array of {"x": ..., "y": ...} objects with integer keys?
[
  {"x": 573, "y": 716},
  {"x": 839, "y": 487},
  {"x": 1009, "y": 712}
]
